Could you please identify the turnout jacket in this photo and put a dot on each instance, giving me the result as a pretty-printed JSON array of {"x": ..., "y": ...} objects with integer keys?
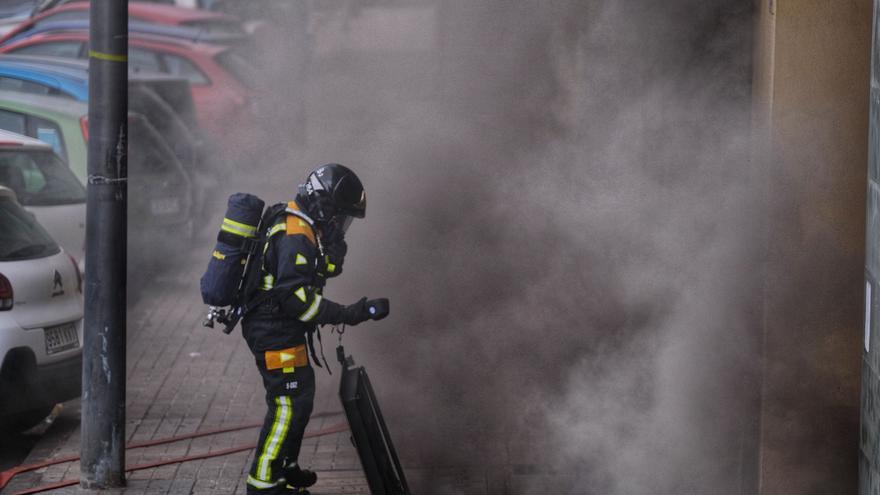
[{"x": 295, "y": 270}]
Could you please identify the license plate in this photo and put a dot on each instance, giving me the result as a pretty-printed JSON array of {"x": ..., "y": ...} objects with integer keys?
[
  {"x": 61, "y": 338},
  {"x": 164, "y": 206}
]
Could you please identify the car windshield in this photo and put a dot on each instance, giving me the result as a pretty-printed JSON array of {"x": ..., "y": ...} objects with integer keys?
[
  {"x": 148, "y": 154},
  {"x": 39, "y": 178},
  {"x": 240, "y": 69},
  {"x": 21, "y": 237}
]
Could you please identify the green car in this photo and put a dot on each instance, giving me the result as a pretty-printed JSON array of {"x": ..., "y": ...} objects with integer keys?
[{"x": 60, "y": 122}]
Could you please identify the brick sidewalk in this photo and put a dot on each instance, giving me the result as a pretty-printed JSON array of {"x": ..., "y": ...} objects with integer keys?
[{"x": 184, "y": 378}]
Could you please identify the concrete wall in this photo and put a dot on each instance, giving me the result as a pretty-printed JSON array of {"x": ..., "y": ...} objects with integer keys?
[{"x": 811, "y": 111}]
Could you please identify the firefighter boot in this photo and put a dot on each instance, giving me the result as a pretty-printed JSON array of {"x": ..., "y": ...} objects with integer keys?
[
  {"x": 299, "y": 479},
  {"x": 279, "y": 489}
]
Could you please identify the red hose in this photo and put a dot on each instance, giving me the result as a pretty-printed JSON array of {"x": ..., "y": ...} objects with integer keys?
[
  {"x": 6, "y": 476},
  {"x": 243, "y": 448}
]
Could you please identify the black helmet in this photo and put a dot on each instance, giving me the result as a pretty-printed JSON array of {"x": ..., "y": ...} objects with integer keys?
[{"x": 333, "y": 192}]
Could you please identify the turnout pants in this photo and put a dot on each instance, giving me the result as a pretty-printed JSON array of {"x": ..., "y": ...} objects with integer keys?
[{"x": 290, "y": 394}]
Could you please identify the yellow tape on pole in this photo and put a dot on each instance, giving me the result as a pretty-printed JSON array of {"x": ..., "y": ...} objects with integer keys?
[{"x": 108, "y": 56}]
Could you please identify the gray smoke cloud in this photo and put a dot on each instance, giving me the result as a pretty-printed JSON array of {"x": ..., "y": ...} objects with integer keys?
[{"x": 564, "y": 213}]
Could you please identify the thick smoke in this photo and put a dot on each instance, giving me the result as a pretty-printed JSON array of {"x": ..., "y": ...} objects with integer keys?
[{"x": 563, "y": 210}]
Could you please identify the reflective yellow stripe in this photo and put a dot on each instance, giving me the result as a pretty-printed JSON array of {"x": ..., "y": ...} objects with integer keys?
[
  {"x": 279, "y": 227},
  {"x": 108, "y": 56},
  {"x": 301, "y": 294},
  {"x": 301, "y": 260},
  {"x": 238, "y": 228},
  {"x": 218, "y": 255},
  {"x": 331, "y": 267},
  {"x": 268, "y": 282},
  {"x": 313, "y": 309},
  {"x": 272, "y": 445},
  {"x": 259, "y": 483}
]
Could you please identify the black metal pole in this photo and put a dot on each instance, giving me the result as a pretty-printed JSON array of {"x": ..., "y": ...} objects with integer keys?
[{"x": 103, "y": 407}]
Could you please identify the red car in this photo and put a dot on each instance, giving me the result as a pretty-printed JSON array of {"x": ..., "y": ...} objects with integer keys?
[
  {"x": 214, "y": 22},
  {"x": 221, "y": 81}
]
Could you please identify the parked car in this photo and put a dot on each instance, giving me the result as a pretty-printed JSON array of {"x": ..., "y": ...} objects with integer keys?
[
  {"x": 193, "y": 34},
  {"x": 159, "y": 190},
  {"x": 165, "y": 100},
  {"x": 159, "y": 99},
  {"x": 145, "y": 12},
  {"x": 41, "y": 310},
  {"x": 31, "y": 75},
  {"x": 70, "y": 77},
  {"x": 161, "y": 193},
  {"x": 46, "y": 187},
  {"x": 223, "y": 84},
  {"x": 59, "y": 122},
  {"x": 13, "y": 13}
]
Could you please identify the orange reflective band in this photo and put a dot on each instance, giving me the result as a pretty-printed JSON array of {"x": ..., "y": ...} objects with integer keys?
[
  {"x": 296, "y": 226},
  {"x": 287, "y": 358}
]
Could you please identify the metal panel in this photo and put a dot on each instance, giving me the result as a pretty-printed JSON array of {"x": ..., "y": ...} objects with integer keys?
[{"x": 369, "y": 433}]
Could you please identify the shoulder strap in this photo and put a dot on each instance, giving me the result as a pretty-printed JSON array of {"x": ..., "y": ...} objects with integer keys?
[
  {"x": 271, "y": 214},
  {"x": 254, "y": 265}
]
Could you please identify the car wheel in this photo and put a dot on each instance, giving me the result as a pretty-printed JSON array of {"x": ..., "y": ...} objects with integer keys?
[{"x": 25, "y": 420}]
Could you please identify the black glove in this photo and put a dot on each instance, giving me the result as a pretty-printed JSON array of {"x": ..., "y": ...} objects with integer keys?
[
  {"x": 363, "y": 310},
  {"x": 378, "y": 308}
]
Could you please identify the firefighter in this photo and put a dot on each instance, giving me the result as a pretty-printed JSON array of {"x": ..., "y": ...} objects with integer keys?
[{"x": 306, "y": 246}]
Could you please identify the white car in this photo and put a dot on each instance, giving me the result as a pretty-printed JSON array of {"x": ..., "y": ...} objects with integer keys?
[
  {"x": 41, "y": 310},
  {"x": 46, "y": 187}
]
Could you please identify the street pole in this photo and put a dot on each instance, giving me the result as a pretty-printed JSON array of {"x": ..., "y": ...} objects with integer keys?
[{"x": 103, "y": 405}]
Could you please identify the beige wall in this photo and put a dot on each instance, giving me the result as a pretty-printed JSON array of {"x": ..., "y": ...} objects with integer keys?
[{"x": 811, "y": 121}]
